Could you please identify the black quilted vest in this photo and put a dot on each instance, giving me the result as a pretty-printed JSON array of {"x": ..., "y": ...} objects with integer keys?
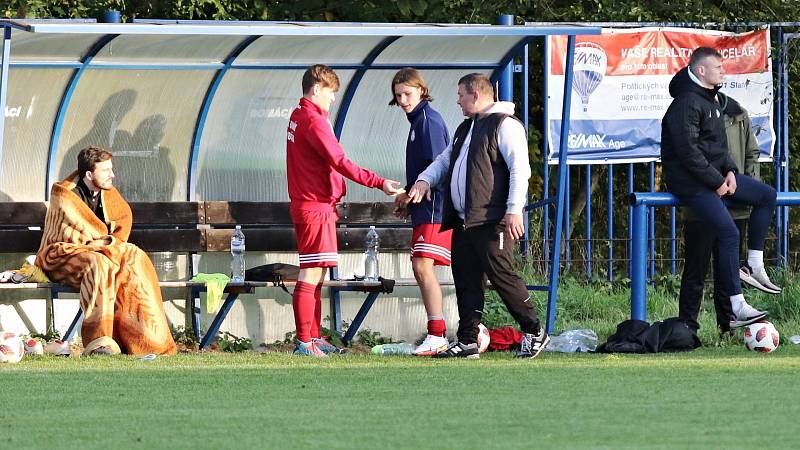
[{"x": 487, "y": 174}]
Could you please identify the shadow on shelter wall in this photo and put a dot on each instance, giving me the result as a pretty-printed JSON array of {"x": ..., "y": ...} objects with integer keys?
[{"x": 142, "y": 166}]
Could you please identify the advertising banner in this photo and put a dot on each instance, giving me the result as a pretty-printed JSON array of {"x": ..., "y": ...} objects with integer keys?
[{"x": 620, "y": 89}]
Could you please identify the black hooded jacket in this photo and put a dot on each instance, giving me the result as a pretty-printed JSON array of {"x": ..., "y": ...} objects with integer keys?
[{"x": 694, "y": 149}]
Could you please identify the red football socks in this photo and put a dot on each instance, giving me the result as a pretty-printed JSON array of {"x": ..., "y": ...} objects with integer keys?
[
  {"x": 317, "y": 323},
  {"x": 303, "y": 304},
  {"x": 437, "y": 328}
]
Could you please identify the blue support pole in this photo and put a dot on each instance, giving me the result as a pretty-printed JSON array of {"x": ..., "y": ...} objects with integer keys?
[
  {"x": 545, "y": 163},
  {"x": 194, "y": 294},
  {"x": 347, "y": 97},
  {"x": 359, "y": 318},
  {"x": 673, "y": 243},
  {"x": 62, "y": 109},
  {"x": 525, "y": 245},
  {"x": 213, "y": 329},
  {"x": 505, "y": 91},
  {"x": 651, "y": 226},
  {"x": 335, "y": 303},
  {"x": 610, "y": 204},
  {"x": 6, "y": 52},
  {"x": 589, "y": 221},
  {"x": 781, "y": 121},
  {"x": 73, "y": 326},
  {"x": 567, "y": 209},
  {"x": 191, "y": 193},
  {"x": 782, "y": 175},
  {"x": 630, "y": 217},
  {"x": 552, "y": 293},
  {"x": 546, "y": 214},
  {"x": 639, "y": 262}
]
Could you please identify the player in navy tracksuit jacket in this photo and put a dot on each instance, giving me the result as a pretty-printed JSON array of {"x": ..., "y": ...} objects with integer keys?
[{"x": 427, "y": 138}]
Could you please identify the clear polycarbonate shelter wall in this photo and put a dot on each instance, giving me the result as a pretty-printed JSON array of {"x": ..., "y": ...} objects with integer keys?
[{"x": 199, "y": 110}]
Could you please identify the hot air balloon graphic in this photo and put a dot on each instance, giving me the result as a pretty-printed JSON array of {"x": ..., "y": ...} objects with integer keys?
[{"x": 589, "y": 70}]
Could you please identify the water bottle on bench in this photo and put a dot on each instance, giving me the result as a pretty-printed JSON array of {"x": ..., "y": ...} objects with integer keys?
[
  {"x": 371, "y": 270},
  {"x": 237, "y": 254}
]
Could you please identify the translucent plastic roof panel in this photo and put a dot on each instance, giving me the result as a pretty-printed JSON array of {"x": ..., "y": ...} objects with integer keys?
[
  {"x": 309, "y": 50},
  {"x": 243, "y": 148},
  {"x": 50, "y": 47},
  {"x": 412, "y": 50},
  {"x": 33, "y": 98},
  {"x": 168, "y": 49},
  {"x": 146, "y": 117},
  {"x": 374, "y": 134}
]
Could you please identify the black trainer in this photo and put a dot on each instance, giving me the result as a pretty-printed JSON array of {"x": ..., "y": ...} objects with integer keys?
[
  {"x": 533, "y": 344},
  {"x": 459, "y": 350}
]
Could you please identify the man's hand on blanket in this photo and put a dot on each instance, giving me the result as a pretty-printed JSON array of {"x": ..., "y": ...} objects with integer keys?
[{"x": 105, "y": 240}]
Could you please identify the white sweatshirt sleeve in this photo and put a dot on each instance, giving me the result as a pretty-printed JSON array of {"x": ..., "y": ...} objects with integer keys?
[
  {"x": 437, "y": 170},
  {"x": 513, "y": 145}
]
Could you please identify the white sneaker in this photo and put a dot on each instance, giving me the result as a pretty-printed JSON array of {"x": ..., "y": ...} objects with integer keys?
[
  {"x": 746, "y": 315},
  {"x": 759, "y": 279},
  {"x": 431, "y": 346}
]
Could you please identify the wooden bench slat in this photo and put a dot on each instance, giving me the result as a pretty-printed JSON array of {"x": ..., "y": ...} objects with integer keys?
[
  {"x": 230, "y": 213},
  {"x": 169, "y": 240},
  {"x": 22, "y": 213},
  {"x": 375, "y": 213},
  {"x": 148, "y": 213},
  {"x": 20, "y": 241},
  {"x": 260, "y": 239},
  {"x": 168, "y": 213},
  {"x": 354, "y": 239}
]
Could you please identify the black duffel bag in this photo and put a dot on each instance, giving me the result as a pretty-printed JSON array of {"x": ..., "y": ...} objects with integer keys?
[{"x": 275, "y": 273}]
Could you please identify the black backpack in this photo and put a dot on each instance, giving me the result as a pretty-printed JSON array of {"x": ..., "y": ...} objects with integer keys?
[{"x": 275, "y": 273}]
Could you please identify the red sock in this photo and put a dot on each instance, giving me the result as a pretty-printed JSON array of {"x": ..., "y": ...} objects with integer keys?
[
  {"x": 316, "y": 332},
  {"x": 437, "y": 328},
  {"x": 303, "y": 306}
]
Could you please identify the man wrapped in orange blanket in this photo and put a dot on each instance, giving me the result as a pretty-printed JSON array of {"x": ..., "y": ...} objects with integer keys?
[{"x": 84, "y": 245}]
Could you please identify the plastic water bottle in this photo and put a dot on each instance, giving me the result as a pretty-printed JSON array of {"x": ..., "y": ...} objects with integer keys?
[
  {"x": 371, "y": 270},
  {"x": 237, "y": 254},
  {"x": 402, "y": 348}
]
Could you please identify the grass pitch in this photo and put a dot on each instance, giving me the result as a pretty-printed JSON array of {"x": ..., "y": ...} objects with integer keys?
[{"x": 722, "y": 397}]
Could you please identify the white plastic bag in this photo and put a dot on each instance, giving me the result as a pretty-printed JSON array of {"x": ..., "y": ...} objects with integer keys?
[{"x": 572, "y": 341}]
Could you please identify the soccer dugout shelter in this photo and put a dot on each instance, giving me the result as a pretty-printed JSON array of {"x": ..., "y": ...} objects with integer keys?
[{"x": 196, "y": 111}]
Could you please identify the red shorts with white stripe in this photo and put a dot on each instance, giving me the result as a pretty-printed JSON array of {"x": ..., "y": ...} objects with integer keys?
[
  {"x": 315, "y": 232},
  {"x": 428, "y": 241}
]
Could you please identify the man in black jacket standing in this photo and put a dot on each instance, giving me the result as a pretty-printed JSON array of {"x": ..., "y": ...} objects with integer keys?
[
  {"x": 484, "y": 172},
  {"x": 699, "y": 171}
]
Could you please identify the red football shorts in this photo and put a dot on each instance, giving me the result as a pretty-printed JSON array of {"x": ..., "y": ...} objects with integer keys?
[
  {"x": 315, "y": 232},
  {"x": 428, "y": 241}
]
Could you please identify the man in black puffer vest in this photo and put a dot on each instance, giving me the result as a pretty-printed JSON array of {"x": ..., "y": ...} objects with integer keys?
[
  {"x": 699, "y": 170},
  {"x": 485, "y": 172}
]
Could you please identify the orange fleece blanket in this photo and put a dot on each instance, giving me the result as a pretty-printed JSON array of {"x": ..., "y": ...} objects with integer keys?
[{"x": 119, "y": 292}]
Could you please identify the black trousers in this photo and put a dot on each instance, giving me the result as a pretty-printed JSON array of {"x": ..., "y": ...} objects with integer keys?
[
  {"x": 699, "y": 244},
  {"x": 712, "y": 212},
  {"x": 486, "y": 252}
]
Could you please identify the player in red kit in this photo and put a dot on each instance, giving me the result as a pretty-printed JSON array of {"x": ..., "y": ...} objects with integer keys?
[{"x": 316, "y": 166}]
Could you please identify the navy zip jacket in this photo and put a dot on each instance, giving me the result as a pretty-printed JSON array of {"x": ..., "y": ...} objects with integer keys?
[
  {"x": 694, "y": 147},
  {"x": 427, "y": 138}
]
